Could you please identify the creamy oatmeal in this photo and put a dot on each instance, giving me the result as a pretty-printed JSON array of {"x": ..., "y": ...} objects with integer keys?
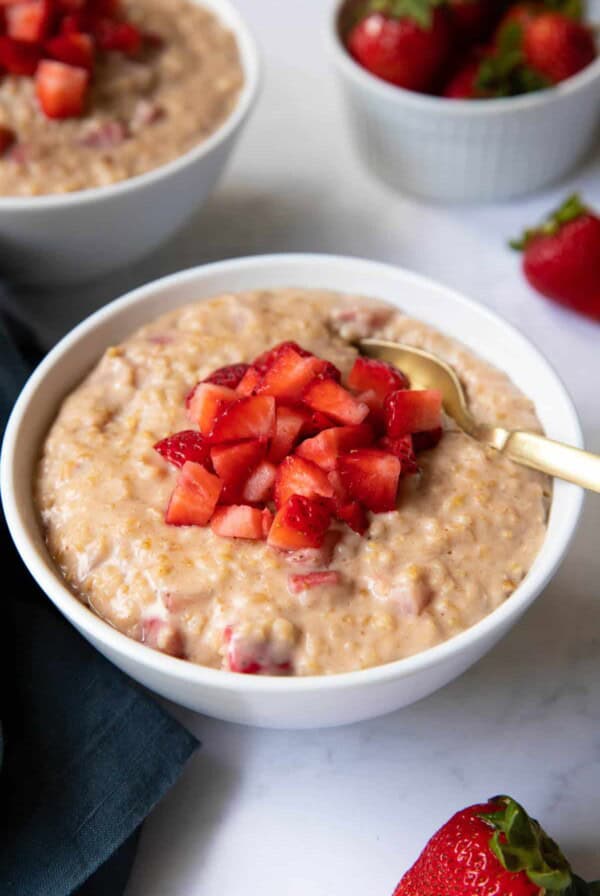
[
  {"x": 142, "y": 111},
  {"x": 465, "y": 532}
]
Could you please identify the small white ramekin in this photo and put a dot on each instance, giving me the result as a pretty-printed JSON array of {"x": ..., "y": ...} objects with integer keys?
[
  {"x": 257, "y": 700},
  {"x": 62, "y": 238},
  {"x": 466, "y": 150}
]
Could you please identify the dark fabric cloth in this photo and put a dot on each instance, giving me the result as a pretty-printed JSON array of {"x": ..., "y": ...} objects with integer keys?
[{"x": 86, "y": 753}]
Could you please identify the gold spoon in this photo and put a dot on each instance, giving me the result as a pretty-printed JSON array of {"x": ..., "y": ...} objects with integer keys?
[{"x": 427, "y": 371}]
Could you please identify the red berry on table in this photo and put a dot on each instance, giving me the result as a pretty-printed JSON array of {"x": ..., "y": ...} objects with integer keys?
[
  {"x": 397, "y": 47},
  {"x": 492, "y": 849},
  {"x": 558, "y": 47},
  {"x": 561, "y": 258},
  {"x": 61, "y": 89}
]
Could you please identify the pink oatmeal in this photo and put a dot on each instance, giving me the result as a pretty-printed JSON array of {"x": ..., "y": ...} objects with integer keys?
[
  {"x": 143, "y": 111},
  {"x": 465, "y": 533}
]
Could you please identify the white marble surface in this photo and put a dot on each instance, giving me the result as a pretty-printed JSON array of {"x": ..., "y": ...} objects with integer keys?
[{"x": 346, "y": 811}]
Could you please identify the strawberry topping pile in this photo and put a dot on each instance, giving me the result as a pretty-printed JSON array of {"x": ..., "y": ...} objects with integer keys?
[
  {"x": 57, "y": 42},
  {"x": 281, "y": 449},
  {"x": 470, "y": 49}
]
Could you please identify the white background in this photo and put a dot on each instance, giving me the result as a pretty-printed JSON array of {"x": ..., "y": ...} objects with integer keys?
[{"x": 344, "y": 812}]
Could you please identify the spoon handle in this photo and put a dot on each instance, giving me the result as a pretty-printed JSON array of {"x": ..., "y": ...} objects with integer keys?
[{"x": 554, "y": 458}]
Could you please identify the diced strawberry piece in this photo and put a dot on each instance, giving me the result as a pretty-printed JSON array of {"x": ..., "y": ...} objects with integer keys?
[
  {"x": 206, "y": 402},
  {"x": 290, "y": 373},
  {"x": 194, "y": 497},
  {"x": 61, "y": 89},
  {"x": 105, "y": 135},
  {"x": 163, "y": 636},
  {"x": 266, "y": 360},
  {"x": 408, "y": 411},
  {"x": 332, "y": 399},
  {"x": 267, "y": 521},
  {"x": 298, "y": 583},
  {"x": 76, "y": 23},
  {"x": 74, "y": 49},
  {"x": 315, "y": 422},
  {"x": 301, "y": 523},
  {"x": 108, "y": 8},
  {"x": 18, "y": 57},
  {"x": 354, "y": 515},
  {"x": 29, "y": 21},
  {"x": 403, "y": 449},
  {"x": 297, "y": 476},
  {"x": 121, "y": 36},
  {"x": 375, "y": 418},
  {"x": 325, "y": 448},
  {"x": 234, "y": 464},
  {"x": 238, "y": 521},
  {"x": 246, "y": 418},
  {"x": 253, "y": 655},
  {"x": 369, "y": 374},
  {"x": 184, "y": 446},
  {"x": 371, "y": 477},
  {"x": 70, "y": 6},
  {"x": 7, "y": 139},
  {"x": 230, "y": 376},
  {"x": 260, "y": 484},
  {"x": 424, "y": 441},
  {"x": 307, "y": 559},
  {"x": 288, "y": 426},
  {"x": 249, "y": 383}
]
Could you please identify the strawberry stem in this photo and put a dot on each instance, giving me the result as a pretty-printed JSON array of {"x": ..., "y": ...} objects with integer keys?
[
  {"x": 571, "y": 209},
  {"x": 421, "y": 11}
]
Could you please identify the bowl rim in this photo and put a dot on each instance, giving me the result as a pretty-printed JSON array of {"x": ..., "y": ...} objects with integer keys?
[
  {"x": 479, "y": 108},
  {"x": 133, "y": 652},
  {"x": 231, "y": 18}
]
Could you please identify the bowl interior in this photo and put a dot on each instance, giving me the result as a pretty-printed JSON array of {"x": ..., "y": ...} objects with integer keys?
[{"x": 460, "y": 318}]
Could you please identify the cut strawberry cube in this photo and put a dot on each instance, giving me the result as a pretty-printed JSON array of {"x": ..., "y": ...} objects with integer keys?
[
  {"x": 74, "y": 49},
  {"x": 354, "y": 515},
  {"x": 301, "y": 523},
  {"x": 288, "y": 426},
  {"x": 194, "y": 497},
  {"x": 298, "y": 583},
  {"x": 408, "y": 411},
  {"x": 325, "y": 448},
  {"x": 120, "y": 36},
  {"x": 206, "y": 402},
  {"x": 267, "y": 521},
  {"x": 424, "y": 441},
  {"x": 230, "y": 376},
  {"x": 266, "y": 360},
  {"x": 253, "y": 655},
  {"x": 184, "y": 446},
  {"x": 246, "y": 418},
  {"x": 308, "y": 559},
  {"x": 28, "y": 21},
  {"x": 163, "y": 636},
  {"x": 403, "y": 449},
  {"x": 371, "y": 477},
  {"x": 315, "y": 422},
  {"x": 297, "y": 476},
  {"x": 290, "y": 373},
  {"x": 375, "y": 418},
  {"x": 260, "y": 484},
  {"x": 234, "y": 464},
  {"x": 18, "y": 57},
  {"x": 7, "y": 139},
  {"x": 330, "y": 398},
  {"x": 369, "y": 374},
  {"x": 249, "y": 383},
  {"x": 61, "y": 89},
  {"x": 238, "y": 521}
]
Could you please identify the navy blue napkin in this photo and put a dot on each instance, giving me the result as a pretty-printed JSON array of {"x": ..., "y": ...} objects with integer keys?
[{"x": 85, "y": 753}]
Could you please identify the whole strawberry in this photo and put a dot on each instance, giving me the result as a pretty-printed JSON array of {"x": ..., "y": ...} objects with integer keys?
[
  {"x": 557, "y": 47},
  {"x": 492, "y": 849},
  {"x": 561, "y": 258},
  {"x": 405, "y": 42}
]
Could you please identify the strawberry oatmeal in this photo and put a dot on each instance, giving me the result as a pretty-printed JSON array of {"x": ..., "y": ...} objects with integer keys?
[
  {"x": 234, "y": 486},
  {"x": 99, "y": 91}
]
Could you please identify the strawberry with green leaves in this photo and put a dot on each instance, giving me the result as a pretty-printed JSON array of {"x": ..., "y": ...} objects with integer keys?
[
  {"x": 405, "y": 42},
  {"x": 493, "y": 849},
  {"x": 561, "y": 257}
]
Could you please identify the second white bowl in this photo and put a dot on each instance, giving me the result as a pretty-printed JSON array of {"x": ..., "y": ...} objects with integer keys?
[
  {"x": 466, "y": 150},
  {"x": 302, "y": 702}
]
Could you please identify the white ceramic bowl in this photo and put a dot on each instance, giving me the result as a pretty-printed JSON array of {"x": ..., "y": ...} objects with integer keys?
[
  {"x": 78, "y": 236},
  {"x": 467, "y": 150},
  {"x": 285, "y": 702}
]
